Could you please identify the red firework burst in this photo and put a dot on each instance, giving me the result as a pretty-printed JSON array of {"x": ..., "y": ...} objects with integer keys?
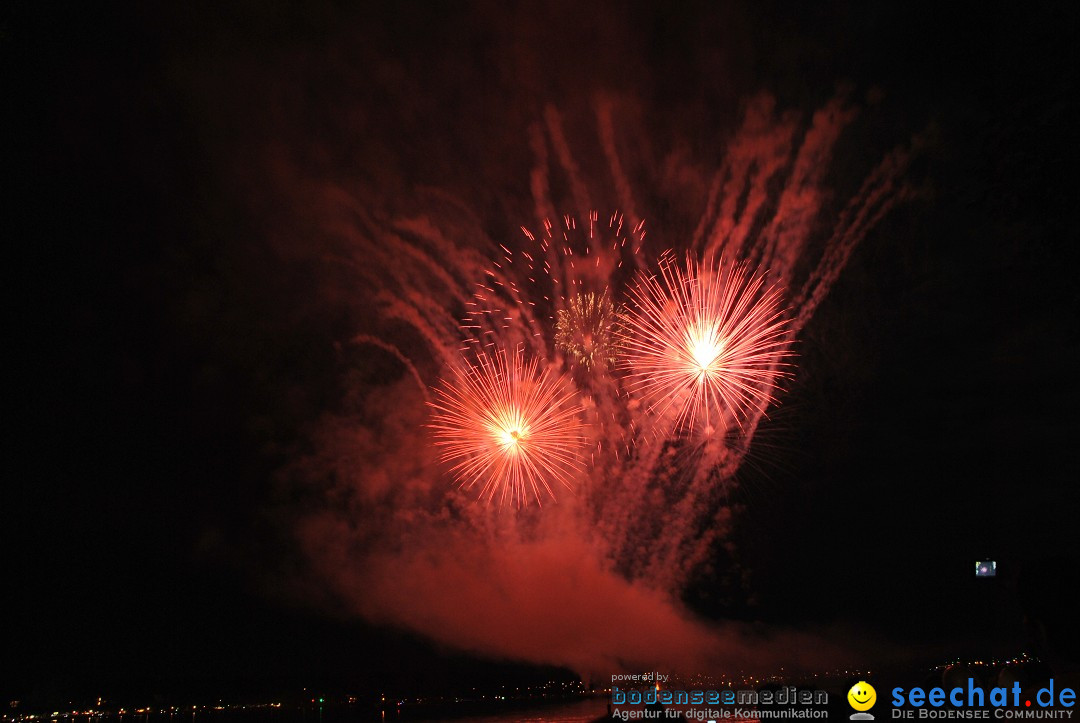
[
  {"x": 703, "y": 345},
  {"x": 510, "y": 427}
]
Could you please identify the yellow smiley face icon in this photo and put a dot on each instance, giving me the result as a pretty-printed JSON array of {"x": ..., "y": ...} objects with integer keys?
[{"x": 862, "y": 696}]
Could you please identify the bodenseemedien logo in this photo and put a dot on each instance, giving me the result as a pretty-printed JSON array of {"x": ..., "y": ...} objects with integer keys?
[{"x": 862, "y": 697}]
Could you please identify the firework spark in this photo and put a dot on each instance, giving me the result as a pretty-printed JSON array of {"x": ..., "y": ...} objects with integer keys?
[
  {"x": 585, "y": 330},
  {"x": 525, "y": 291},
  {"x": 510, "y": 427},
  {"x": 703, "y": 346}
]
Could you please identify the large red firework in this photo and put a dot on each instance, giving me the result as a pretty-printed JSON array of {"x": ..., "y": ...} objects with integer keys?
[
  {"x": 703, "y": 345},
  {"x": 509, "y": 427}
]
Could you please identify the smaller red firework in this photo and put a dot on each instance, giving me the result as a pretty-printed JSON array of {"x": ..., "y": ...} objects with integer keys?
[
  {"x": 585, "y": 330},
  {"x": 509, "y": 427}
]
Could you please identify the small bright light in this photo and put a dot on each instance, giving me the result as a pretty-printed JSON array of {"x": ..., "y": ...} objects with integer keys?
[
  {"x": 705, "y": 352},
  {"x": 510, "y": 438}
]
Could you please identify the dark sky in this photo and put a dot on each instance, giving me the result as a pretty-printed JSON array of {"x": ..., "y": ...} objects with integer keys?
[{"x": 168, "y": 360}]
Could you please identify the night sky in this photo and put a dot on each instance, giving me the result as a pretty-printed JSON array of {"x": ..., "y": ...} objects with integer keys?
[{"x": 173, "y": 345}]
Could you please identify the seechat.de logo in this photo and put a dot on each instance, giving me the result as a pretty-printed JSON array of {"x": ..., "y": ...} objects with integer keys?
[{"x": 1051, "y": 701}]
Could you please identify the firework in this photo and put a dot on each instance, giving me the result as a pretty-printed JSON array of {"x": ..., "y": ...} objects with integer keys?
[
  {"x": 585, "y": 330},
  {"x": 550, "y": 275},
  {"x": 703, "y": 346},
  {"x": 509, "y": 427}
]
